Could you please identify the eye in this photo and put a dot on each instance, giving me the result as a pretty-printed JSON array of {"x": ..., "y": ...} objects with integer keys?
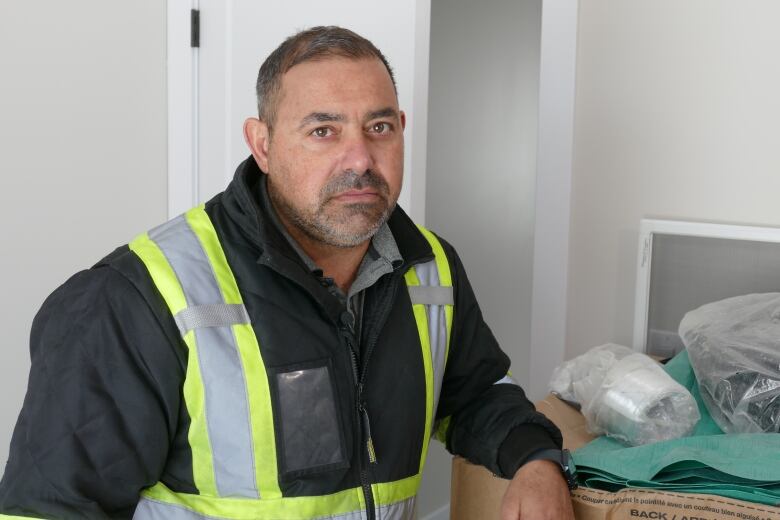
[
  {"x": 322, "y": 131},
  {"x": 381, "y": 128}
]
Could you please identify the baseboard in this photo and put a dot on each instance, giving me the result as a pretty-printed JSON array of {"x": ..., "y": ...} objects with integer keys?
[{"x": 443, "y": 513}]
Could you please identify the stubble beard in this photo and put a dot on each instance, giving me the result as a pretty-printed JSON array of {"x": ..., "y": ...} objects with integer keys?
[{"x": 335, "y": 224}]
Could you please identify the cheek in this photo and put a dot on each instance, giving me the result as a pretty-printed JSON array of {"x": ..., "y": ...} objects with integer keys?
[
  {"x": 303, "y": 177},
  {"x": 394, "y": 173},
  {"x": 288, "y": 167}
]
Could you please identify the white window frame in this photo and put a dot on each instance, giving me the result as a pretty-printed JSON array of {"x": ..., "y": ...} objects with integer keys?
[{"x": 650, "y": 227}]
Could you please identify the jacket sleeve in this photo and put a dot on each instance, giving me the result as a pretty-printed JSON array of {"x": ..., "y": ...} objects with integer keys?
[
  {"x": 489, "y": 423},
  {"x": 102, "y": 403}
]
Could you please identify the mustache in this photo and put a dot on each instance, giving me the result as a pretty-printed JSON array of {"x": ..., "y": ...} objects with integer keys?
[{"x": 351, "y": 180}]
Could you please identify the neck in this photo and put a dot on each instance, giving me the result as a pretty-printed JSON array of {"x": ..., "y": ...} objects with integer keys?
[{"x": 339, "y": 263}]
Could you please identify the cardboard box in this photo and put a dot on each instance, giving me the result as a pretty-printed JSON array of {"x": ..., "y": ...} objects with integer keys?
[{"x": 476, "y": 493}]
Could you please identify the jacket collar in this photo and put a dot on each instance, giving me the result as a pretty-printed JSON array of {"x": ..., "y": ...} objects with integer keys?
[{"x": 243, "y": 206}]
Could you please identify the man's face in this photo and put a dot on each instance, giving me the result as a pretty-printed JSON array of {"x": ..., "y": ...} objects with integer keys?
[{"x": 335, "y": 155}]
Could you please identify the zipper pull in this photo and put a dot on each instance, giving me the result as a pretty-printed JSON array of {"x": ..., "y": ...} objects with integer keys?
[{"x": 369, "y": 441}]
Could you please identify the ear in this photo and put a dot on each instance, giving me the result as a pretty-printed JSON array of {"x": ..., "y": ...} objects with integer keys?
[
  {"x": 402, "y": 115},
  {"x": 258, "y": 137}
]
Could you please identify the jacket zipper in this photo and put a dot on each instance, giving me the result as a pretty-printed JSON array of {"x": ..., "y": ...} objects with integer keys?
[
  {"x": 383, "y": 313},
  {"x": 365, "y": 430},
  {"x": 366, "y": 441}
]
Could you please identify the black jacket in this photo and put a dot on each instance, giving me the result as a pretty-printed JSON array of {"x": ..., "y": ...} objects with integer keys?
[{"x": 104, "y": 415}]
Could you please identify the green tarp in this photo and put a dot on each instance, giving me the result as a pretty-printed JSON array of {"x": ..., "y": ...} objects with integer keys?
[{"x": 740, "y": 466}]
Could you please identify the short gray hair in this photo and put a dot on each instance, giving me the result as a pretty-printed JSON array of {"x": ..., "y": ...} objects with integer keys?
[{"x": 309, "y": 45}]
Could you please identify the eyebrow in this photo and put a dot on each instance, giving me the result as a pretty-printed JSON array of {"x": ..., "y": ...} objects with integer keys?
[
  {"x": 320, "y": 117},
  {"x": 384, "y": 112},
  {"x": 326, "y": 117}
]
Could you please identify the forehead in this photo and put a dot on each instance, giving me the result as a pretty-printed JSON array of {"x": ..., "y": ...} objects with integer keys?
[{"x": 336, "y": 85}]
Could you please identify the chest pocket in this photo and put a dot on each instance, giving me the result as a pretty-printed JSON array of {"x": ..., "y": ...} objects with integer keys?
[{"x": 311, "y": 439}]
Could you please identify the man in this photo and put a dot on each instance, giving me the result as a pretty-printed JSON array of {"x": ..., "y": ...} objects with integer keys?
[{"x": 285, "y": 351}]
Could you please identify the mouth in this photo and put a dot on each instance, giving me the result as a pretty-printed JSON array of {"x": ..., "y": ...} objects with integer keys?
[{"x": 357, "y": 196}]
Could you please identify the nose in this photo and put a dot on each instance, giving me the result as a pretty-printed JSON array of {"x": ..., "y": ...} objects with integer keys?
[{"x": 358, "y": 155}]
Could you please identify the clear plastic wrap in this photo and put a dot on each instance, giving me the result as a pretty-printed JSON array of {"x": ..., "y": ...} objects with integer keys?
[
  {"x": 626, "y": 395},
  {"x": 734, "y": 348}
]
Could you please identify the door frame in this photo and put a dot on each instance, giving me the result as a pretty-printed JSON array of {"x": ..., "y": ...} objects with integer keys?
[
  {"x": 557, "y": 81},
  {"x": 182, "y": 108}
]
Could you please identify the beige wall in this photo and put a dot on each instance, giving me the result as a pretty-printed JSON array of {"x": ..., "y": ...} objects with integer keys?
[
  {"x": 677, "y": 116},
  {"x": 82, "y": 153}
]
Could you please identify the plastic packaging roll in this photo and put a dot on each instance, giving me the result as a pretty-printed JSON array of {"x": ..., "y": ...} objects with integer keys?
[
  {"x": 626, "y": 395},
  {"x": 639, "y": 403}
]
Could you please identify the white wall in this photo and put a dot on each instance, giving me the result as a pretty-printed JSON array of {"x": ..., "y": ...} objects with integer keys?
[
  {"x": 82, "y": 153},
  {"x": 677, "y": 116},
  {"x": 482, "y": 127}
]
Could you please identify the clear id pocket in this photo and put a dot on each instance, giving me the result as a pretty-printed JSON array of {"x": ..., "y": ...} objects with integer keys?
[{"x": 311, "y": 439}]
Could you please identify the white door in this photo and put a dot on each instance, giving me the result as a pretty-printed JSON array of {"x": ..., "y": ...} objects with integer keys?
[{"x": 237, "y": 35}]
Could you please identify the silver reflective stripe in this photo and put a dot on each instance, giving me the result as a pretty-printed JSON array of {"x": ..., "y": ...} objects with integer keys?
[
  {"x": 183, "y": 251},
  {"x": 403, "y": 510},
  {"x": 428, "y": 274},
  {"x": 431, "y": 295},
  {"x": 219, "y": 315},
  {"x": 506, "y": 379},
  {"x": 149, "y": 509},
  {"x": 227, "y": 409}
]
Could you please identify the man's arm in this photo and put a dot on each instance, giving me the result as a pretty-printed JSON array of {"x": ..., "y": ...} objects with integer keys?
[
  {"x": 537, "y": 492},
  {"x": 491, "y": 422},
  {"x": 102, "y": 403}
]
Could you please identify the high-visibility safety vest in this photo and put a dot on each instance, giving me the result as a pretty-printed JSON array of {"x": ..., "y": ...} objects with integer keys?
[{"x": 226, "y": 387}]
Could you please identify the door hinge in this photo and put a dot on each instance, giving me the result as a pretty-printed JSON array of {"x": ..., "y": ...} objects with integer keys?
[{"x": 194, "y": 28}]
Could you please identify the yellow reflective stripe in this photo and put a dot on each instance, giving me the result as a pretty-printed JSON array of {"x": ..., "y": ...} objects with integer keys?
[
  {"x": 161, "y": 272},
  {"x": 201, "y": 225},
  {"x": 421, "y": 318},
  {"x": 168, "y": 284},
  {"x": 289, "y": 508},
  {"x": 442, "y": 264},
  {"x": 441, "y": 430},
  {"x": 387, "y": 493},
  {"x": 448, "y": 309},
  {"x": 260, "y": 412},
  {"x": 445, "y": 279},
  {"x": 21, "y": 517},
  {"x": 258, "y": 393},
  {"x": 198, "y": 434}
]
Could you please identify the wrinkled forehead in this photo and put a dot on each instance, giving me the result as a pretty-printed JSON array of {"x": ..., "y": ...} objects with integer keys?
[{"x": 336, "y": 85}]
